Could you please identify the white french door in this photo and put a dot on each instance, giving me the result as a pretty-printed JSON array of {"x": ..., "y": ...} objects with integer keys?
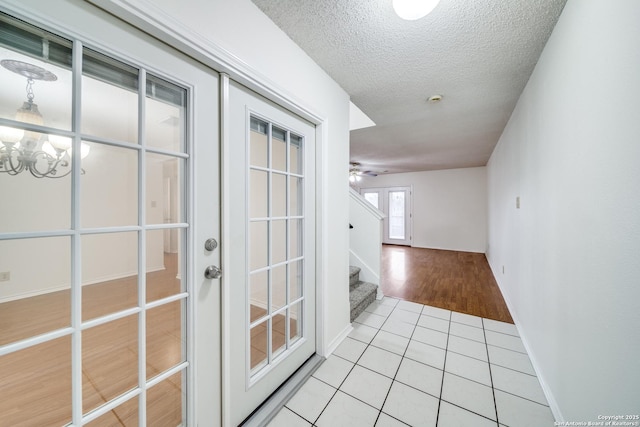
[
  {"x": 110, "y": 162},
  {"x": 269, "y": 282},
  {"x": 395, "y": 203}
]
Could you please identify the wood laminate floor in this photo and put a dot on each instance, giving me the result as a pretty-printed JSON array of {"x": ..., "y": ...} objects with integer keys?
[
  {"x": 35, "y": 383},
  {"x": 457, "y": 281}
]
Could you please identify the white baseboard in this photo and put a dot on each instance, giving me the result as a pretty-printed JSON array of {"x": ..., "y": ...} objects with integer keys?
[
  {"x": 338, "y": 340},
  {"x": 59, "y": 288},
  {"x": 553, "y": 403}
]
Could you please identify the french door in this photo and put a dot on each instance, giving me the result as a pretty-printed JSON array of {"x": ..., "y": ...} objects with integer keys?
[
  {"x": 109, "y": 179},
  {"x": 269, "y": 205},
  {"x": 395, "y": 203}
]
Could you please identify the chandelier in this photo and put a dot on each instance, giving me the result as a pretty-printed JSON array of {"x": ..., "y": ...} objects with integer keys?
[{"x": 44, "y": 156}]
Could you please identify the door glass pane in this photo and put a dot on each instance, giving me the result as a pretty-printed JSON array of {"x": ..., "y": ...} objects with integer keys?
[
  {"x": 37, "y": 300},
  {"x": 279, "y": 333},
  {"x": 279, "y": 195},
  {"x": 165, "y": 402},
  {"x": 35, "y": 204},
  {"x": 259, "y": 288},
  {"x": 36, "y": 385},
  {"x": 109, "y": 273},
  {"x": 23, "y": 52},
  {"x": 278, "y": 287},
  {"x": 295, "y": 154},
  {"x": 295, "y": 196},
  {"x": 165, "y": 178},
  {"x": 279, "y": 241},
  {"x": 109, "y": 98},
  {"x": 259, "y": 249},
  {"x": 109, "y": 361},
  {"x": 279, "y": 150},
  {"x": 259, "y": 194},
  {"x": 164, "y": 263},
  {"x": 295, "y": 322},
  {"x": 396, "y": 215},
  {"x": 165, "y": 337},
  {"x": 259, "y": 144},
  {"x": 372, "y": 198},
  {"x": 258, "y": 346},
  {"x": 109, "y": 188},
  {"x": 165, "y": 115},
  {"x": 295, "y": 238},
  {"x": 295, "y": 281}
]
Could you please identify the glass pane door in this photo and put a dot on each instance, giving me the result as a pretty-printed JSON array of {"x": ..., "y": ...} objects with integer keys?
[
  {"x": 94, "y": 299},
  {"x": 395, "y": 203},
  {"x": 271, "y": 272},
  {"x": 397, "y": 213}
]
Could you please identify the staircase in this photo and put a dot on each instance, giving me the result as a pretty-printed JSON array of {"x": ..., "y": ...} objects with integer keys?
[{"x": 361, "y": 294}]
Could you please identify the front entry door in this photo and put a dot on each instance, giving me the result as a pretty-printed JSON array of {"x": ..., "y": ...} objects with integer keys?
[
  {"x": 269, "y": 283},
  {"x": 395, "y": 202},
  {"x": 109, "y": 176}
]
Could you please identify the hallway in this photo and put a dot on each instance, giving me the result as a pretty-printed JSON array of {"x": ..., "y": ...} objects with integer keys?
[{"x": 410, "y": 364}]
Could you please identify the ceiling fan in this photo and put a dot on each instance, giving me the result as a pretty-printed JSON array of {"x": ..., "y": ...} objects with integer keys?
[{"x": 356, "y": 173}]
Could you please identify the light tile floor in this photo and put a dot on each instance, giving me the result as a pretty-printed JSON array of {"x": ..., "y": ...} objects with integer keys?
[{"x": 410, "y": 364}]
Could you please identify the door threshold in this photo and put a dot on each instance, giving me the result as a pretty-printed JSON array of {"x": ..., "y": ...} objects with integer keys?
[{"x": 270, "y": 407}]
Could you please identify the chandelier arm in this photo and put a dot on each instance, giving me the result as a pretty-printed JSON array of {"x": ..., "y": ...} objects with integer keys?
[
  {"x": 13, "y": 170},
  {"x": 52, "y": 165}
]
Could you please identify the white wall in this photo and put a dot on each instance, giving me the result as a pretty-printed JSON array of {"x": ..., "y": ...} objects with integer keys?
[
  {"x": 449, "y": 207},
  {"x": 365, "y": 244},
  {"x": 570, "y": 152}
]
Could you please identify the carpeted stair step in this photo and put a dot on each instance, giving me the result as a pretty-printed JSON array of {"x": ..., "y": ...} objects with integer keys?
[
  {"x": 361, "y": 295},
  {"x": 354, "y": 276}
]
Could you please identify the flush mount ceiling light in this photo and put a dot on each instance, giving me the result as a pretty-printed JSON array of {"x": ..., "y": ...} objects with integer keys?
[{"x": 411, "y": 10}]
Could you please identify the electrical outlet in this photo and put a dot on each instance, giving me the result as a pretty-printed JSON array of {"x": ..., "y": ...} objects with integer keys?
[
  {"x": 5, "y": 276},
  {"x": 518, "y": 202},
  {"x": 503, "y": 269}
]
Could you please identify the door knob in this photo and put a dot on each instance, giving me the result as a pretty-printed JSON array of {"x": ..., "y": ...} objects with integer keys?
[{"x": 212, "y": 272}]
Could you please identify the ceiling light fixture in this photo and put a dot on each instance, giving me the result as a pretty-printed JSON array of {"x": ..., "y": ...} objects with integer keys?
[
  {"x": 411, "y": 10},
  {"x": 22, "y": 150}
]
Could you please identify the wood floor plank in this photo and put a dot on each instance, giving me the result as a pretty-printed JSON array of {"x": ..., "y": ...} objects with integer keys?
[{"x": 458, "y": 281}]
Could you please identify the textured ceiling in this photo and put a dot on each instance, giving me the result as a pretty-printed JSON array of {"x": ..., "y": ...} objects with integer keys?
[{"x": 477, "y": 54}]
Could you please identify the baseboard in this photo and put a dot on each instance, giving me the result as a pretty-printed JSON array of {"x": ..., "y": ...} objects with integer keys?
[
  {"x": 553, "y": 404},
  {"x": 59, "y": 288},
  {"x": 338, "y": 340}
]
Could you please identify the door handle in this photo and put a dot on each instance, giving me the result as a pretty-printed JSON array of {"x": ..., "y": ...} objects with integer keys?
[{"x": 212, "y": 272}]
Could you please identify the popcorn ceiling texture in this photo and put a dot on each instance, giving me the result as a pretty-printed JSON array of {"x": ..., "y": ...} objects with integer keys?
[{"x": 478, "y": 54}]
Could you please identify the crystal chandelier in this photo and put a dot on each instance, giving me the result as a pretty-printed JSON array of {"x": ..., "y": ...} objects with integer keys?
[{"x": 44, "y": 156}]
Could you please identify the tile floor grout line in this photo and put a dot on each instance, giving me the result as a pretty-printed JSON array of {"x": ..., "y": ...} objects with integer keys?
[
  {"x": 400, "y": 364},
  {"x": 447, "y": 350},
  {"x": 351, "y": 370},
  {"x": 493, "y": 389},
  {"x": 444, "y": 366}
]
